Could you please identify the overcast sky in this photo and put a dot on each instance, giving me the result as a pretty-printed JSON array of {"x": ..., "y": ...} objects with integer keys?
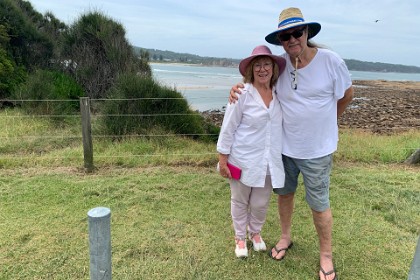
[{"x": 232, "y": 28}]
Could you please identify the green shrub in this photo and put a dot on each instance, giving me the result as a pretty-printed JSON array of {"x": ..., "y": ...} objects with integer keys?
[
  {"x": 49, "y": 93},
  {"x": 11, "y": 75},
  {"x": 140, "y": 105},
  {"x": 97, "y": 44}
]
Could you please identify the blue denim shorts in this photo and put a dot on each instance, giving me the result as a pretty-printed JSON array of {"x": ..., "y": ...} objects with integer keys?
[{"x": 316, "y": 178}]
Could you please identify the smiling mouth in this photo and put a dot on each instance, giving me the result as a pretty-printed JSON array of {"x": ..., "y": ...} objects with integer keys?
[{"x": 293, "y": 45}]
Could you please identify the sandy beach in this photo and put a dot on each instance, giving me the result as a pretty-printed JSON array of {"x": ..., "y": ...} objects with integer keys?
[{"x": 379, "y": 106}]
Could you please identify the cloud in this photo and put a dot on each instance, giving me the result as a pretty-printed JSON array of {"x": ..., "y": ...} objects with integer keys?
[{"x": 233, "y": 28}]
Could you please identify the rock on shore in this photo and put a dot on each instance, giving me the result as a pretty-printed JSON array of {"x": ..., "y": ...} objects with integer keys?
[{"x": 378, "y": 106}]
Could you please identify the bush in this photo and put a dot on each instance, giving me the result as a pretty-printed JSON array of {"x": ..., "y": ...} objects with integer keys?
[
  {"x": 99, "y": 53},
  {"x": 44, "y": 85},
  {"x": 141, "y": 105},
  {"x": 11, "y": 75}
]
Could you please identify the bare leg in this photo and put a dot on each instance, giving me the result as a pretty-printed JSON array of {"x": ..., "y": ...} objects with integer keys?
[
  {"x": 285, "y": 208},
  {"x": 323, "y": 224}
]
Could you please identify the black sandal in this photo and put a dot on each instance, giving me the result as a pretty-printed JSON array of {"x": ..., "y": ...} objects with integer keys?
[
  {"x": 329, "y": 273},
  {"x": 270, "y": 253}
]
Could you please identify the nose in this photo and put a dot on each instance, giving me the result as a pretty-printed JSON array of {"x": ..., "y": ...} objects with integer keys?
[{"x": 292, "y": 39}]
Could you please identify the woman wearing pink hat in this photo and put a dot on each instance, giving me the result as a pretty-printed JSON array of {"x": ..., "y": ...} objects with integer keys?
[
  {"x": 248, "y": 140},
  {"x": 314, "y": 91}
]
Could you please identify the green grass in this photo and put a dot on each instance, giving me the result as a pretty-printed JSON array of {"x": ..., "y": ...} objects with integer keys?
[
  {"x": 361, "y": 146},
  {"x": 171, "y": 210},
  {"x": 36, "y": 141}
]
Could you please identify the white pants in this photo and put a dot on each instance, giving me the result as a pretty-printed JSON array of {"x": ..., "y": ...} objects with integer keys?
[{"x": 249, "y": 206}]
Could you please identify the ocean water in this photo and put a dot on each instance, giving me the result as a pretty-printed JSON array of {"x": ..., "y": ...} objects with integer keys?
[{"x": 207, "y": 88}]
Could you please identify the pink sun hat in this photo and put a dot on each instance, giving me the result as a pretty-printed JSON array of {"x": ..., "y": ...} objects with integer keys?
[{"x": 262, "y": 50}]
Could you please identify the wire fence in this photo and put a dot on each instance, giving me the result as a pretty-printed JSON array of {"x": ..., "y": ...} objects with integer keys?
[
  {"x": 84, "y": 129},
  {"x": 34, "y": 129}
]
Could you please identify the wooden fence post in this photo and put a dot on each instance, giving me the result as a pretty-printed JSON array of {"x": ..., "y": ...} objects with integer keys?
[
  {"x": 100, "y": 243},
  {"x": 86, "y": 133}
]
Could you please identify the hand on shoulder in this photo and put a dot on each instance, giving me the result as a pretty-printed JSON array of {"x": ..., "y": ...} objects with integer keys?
[{"x": 236, "y": 89}]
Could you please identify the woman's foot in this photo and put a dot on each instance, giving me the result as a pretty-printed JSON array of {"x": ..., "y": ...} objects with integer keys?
[
  {"x": 241, "y": 250},
  {"x": 257, "y": 242}
]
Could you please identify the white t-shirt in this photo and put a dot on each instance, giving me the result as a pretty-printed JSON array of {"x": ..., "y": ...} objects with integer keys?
[
  {"x": 251, "y": 135},
  {"x": 310, "y": 128}
]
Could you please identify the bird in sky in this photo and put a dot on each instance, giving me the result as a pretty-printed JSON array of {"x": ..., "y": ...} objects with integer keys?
[{"x": 377, "y": 20}]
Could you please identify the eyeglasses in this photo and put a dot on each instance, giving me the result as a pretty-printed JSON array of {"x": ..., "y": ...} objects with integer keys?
[
  {"x": 296, "y": 34},
  {"x": 267, "y": 66}
]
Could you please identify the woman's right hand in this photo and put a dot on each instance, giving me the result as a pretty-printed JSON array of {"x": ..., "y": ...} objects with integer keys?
[
  {"x": 234, "y": 91},
  {"x": 222, "y": 166},
  {"x": 224, "y": 171}
]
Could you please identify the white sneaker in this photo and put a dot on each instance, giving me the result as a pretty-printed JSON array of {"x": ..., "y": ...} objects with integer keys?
[
  {"x": 257, "y": 242},
  {"x": 241, "y": 251}
]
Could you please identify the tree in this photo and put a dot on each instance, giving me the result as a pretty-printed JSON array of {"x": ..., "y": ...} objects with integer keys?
[
  {"x": 28, "y": 46},
  {"x": 6, "y": 70},
  {"x": 99, "y": 52},
  {"x": 28, "y": 42},
  {"x": 10, "y": 74}
]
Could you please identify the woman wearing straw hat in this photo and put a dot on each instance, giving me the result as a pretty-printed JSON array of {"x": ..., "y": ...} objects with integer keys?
[
  {"x": 313, "y": 91},
  {"x": 250, "y": 130}
]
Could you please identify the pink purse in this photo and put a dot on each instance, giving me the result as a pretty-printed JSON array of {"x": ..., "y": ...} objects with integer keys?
[{"x": 234, "y": 171}]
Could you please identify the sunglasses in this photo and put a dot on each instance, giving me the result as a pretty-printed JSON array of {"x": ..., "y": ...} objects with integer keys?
[
  {"x": 294, "y": 79},
  {"x": 296, "y": 34}
]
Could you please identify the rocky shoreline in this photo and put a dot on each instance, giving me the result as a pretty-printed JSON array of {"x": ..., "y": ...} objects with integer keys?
[{"x": 378, "y": 106}]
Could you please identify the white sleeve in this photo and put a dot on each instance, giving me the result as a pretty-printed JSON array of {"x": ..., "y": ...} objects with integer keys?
[
  {"x": 231, "y": 122},
  {"x": 342, "y": 80}
]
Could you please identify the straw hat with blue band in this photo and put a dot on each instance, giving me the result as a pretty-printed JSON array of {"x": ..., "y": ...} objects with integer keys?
[{"x": 290, "y": 18}]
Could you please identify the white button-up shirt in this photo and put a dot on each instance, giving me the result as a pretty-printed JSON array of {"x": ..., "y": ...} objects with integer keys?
[{"x": 251, "y": 135}]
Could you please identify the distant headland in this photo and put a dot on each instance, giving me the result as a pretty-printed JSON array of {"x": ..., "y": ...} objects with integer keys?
[{"x": 352, "y": 64}]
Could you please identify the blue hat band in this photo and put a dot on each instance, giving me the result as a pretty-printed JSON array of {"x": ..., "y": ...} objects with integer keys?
[{"x": 290, "y": 21}]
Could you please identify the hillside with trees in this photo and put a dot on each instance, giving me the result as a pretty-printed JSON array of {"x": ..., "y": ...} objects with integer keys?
[
  {"x": 93, "y": 51},
  {"x": 352, "y": 64},
  {"x": 43, "y": 59},
  {"x": 174, "y": 57}
]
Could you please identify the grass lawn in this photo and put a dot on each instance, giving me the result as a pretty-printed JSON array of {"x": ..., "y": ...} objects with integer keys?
[
  {"x": 174, "y": 223},
  {"x": 171, "y": 210}
]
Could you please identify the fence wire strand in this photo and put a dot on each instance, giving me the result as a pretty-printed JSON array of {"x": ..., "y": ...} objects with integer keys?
[{"x": 96, "y": 116}]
